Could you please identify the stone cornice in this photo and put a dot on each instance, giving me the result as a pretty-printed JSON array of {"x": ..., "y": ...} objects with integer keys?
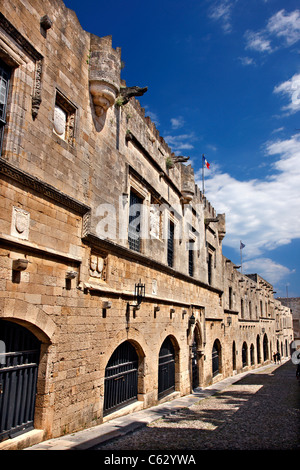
[
  {"x": 42, "y": 187},
  {"x": 111, "y": 247}
]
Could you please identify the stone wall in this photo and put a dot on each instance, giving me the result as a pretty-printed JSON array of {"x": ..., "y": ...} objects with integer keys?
[{"x": 73, "y": 152}]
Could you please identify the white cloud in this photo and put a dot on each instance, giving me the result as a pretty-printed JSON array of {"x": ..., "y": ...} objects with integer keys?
[
  {"x": 268, "y": 269},
  {"x": 261, "y": 213},
  {"x": 285, "y": 25},
  {"x": 247, "y": 60},
  {"x": 257, "y": 42},
  {"x": 292, "y": 89},
  {"x": 177, "y": 122},
  {"x": 221, "y": 11},
  {"x": 180, "y": 142},
  {"x": 281, "y": 26}
]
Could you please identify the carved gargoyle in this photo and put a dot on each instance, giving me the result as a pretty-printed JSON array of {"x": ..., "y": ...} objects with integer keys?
[
  {"x": 128, "y": 92},
  {"x": 180, "y": 159}
]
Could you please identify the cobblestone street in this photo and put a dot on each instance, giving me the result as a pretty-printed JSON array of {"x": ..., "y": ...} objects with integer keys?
[{"x": 259, "y": 412}]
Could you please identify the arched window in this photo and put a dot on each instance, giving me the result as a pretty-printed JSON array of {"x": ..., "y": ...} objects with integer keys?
[
  {"x": 216, "y": 358},
  {"x": 245, "y": 354},
  {"x": 166, "y": 368},
  {"x": 121, "y": 378}
]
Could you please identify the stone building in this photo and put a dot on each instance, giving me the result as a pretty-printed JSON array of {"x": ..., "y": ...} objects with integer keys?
[
  {"x": 294, "y": 304},
  {"x": 114, "y": 293}
]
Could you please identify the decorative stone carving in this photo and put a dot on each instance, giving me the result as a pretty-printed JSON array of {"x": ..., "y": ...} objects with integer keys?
[
  {"x": 45, "y": 22},
  {"x": 60, "y": 121},
  {"x": 103, "y": 96},
  {"x": 187, "y": 183},
  {"x": 37, "y": 92},
  {"x": 104, "y": 73},
  {"x": 98, "y": 267},
  {"x": 128, "y": 92},
  {"x": 154, "y": 221},
  {"x": 20, "y": 223}
]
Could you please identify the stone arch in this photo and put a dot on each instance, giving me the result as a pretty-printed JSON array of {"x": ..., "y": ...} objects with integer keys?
[
  {"x": 258, "y": 353},
  {"x": 31, "y": 317},
  {"x": 168, "y": 366},
  {"x": 244, "y": 354},
  {"x": 216, "y": 358},
  {"x": 233, "y": 356},
  {"x": 196, "y": 357},
  {"x": 265, "y": 347}
]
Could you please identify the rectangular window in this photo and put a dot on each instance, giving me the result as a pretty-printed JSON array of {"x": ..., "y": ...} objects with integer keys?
[
  {"x": 134, "y": 227},
  {"x": 4, "y": 84},
  {"x": 170, "y": 254},
  {"x": 230, "y": 298},
  {"x": 209, "y": 267},
  {"x": 191, "y": 258},
  {"x": 64, "y": 119}
]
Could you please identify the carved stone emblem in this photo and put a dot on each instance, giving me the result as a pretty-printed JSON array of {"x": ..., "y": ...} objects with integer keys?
[
  {"x": 98, "y": 267},
  {"x": 60, "y": 121},
  {"x": 20, "y": 223},
  {"x": 154, "y": 222}
]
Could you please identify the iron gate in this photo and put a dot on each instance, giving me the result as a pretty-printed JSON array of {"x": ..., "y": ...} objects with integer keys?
[
  {"x": 121, "y": 377},
  {"x": 166, "y": 369},
  {"x": 19, "y": 358}
]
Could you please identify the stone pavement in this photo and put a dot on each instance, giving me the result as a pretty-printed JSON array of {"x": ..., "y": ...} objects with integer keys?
[{"x": 154, "y": 427}]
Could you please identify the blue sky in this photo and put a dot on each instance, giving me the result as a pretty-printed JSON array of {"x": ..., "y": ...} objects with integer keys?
[{"x": 223, "y": 79}]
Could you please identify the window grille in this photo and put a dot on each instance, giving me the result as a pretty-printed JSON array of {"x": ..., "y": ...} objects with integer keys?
[
  {"x": 4, "y": 84},
  {"x": 170, "y": 244},
  {"x": 134, "y": 227}
]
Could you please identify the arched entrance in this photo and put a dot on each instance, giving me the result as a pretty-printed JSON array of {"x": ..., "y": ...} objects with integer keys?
[
  {"x": 265, "y": 348},
  {"x": 258, "y": 349},
  {"x": 166, "y": 368},
  {"x": 216, "y": 358},
  {"x": 18, "y": 379},
  {"x": 121, "y": 378},
  {"x": 194, "y": 363},
  {"x": 233, "y": 356},
  {"x": 245, "y": 354}
]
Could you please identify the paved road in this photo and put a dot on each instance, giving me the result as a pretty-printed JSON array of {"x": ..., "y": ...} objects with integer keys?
[{"x": 259, "y": 412}]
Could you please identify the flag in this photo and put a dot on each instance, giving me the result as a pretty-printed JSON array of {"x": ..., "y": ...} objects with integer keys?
[
  {"x": 242, "y": 245},
  {"x": 205, "y": 162}
]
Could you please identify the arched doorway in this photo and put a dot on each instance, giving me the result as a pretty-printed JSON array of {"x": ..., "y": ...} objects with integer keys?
[
  {"x": 252, "y": 354},
  {"x": 245, "y": 354},
  {"x": 18, "y": 379},
  {"x": 265, "y": 348},
  {"x": 216, "y": 358},
  {"x": 258, "y": 349},
  {"x": 194, "y": 363},
  {"x": 166, "y": 368},
  {"x": 233, "y": 356},
  {"x": 121, "y": 378}
]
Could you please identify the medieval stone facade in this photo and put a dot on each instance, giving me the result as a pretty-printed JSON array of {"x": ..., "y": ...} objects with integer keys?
[{"x": 94, "y": 204}]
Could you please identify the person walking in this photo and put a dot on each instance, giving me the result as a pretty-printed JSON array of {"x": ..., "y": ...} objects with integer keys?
[
  {"x": 278, "y": 356},
  {"x": 274, "y": 357}
]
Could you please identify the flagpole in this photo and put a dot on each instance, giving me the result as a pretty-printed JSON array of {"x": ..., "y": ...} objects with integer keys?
[
  {"x": 203, "y": 174},
  {"x": 241, "y": 257}
]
